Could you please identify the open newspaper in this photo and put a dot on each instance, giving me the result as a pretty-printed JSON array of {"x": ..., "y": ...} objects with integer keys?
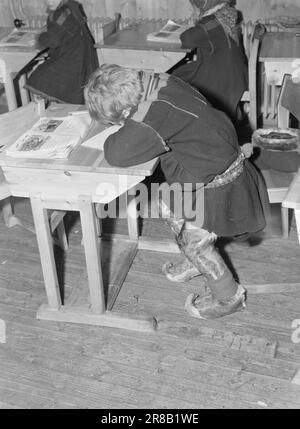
[
  {"x": 51, "y": 138},
  {"x": 170, "y": 33},
  {"x": 22, "y": 38}
]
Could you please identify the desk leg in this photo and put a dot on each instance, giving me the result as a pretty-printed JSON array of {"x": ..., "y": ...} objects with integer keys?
[
  {"x": 10, "y": 92},
  {"x": 253, "y": 94},
  {"x": 23, "y": 92},
  {"x": 132, "y": 219},
  {"x": 297, "y": 218},
  {"x": 45, "y": 244},
  {"x": 92, "y": 254},
  {"x": 98, "y": 220},
  {"x": 285, "y": 221},
  {"x": 97, "y": 313}
]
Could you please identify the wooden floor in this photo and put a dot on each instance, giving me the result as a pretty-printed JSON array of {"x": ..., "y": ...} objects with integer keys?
[{"x": 246, "y": 360}]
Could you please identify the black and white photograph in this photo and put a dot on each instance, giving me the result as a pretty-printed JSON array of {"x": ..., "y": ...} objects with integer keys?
[{"x": 149, "y": 210}]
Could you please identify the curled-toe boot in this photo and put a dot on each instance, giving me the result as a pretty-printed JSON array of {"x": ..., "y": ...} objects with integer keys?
[
  {"x": 181, "y": 271},
  {"x": 225, "y": 295}
]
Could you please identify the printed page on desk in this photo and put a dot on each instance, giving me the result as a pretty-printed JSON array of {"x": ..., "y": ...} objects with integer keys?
[
  {"x": 26, "y": 37},
  {"x": 52, "y": 138},
  {"x": 98, "y": 134},
  {"x": 170, "y": 33}
]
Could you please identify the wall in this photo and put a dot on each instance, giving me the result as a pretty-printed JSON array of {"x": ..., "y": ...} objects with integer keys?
[
  {"x": 128, "y": 8},
  {"x": 251, "y": 9},
  {"x": 254, "y": 9}
]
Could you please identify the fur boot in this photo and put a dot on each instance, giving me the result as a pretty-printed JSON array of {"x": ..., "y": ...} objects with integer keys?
[
  {"x": 184, "y": 270},
  {"x": 180, "y": 272},
  {"x": 197, "y": 245},
  {"x": 208, "y": 307},
  {"x": 226, "y": 296}
]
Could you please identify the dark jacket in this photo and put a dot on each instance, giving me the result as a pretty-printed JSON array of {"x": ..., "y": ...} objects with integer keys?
[
  {"x": 220, "y": 71},
  {"x": 195, "y": 142},
  {"x": 72, "y": 56}
]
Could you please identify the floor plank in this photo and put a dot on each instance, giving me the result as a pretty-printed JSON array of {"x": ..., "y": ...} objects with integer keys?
[{"x": 246, "y": 360}]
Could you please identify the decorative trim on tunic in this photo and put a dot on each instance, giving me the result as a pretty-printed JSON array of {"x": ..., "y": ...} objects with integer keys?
[{"x": 232, "y": 172}]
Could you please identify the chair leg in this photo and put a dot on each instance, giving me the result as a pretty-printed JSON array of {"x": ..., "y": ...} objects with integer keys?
[
  {"x": 56, "y": 221},
  {"x": 62, "y": 236},
  {"x": 297, "y": 217},
  {"x": 23, "y": 92},
  {"x": 285, "y": 221}
]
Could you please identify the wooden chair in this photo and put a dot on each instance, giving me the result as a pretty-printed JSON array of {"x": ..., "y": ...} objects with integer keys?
[
  {"x": 284, "y": 187},
  {"x": 268, "y": 93},
  {"x": 289, "y": 103},
  {"x": 292, "y": 201},
  {"x": 278, "y": 184},
  {"x": 12, "y": 125},
  {"x": 252, "y": 36}
]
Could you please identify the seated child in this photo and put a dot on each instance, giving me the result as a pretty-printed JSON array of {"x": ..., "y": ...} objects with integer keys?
[
  {"x": 72, "y": 56},
  {"x": 220, "y": 71},
  {"x": 196, "y": 144}
]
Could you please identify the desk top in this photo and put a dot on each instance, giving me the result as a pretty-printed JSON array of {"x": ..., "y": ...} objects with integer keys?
[
  {"x": 135, "y": 37},
  {"x": 4, "y": 31},
  {"x": 81, "y": 159},
  {"x": 280, "y": 46}
]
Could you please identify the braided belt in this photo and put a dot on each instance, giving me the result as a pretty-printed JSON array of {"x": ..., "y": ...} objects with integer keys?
[{"x": 232, "y": 172}]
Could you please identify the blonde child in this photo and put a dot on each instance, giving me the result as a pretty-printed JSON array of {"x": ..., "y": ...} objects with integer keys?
[{"x": 196, "y": 144}]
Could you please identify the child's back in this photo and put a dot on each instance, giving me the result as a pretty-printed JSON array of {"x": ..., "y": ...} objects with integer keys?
[{"x": 220, "y": 71}]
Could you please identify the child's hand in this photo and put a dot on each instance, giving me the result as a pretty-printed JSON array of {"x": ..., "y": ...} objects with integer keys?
[{"x": 247, "y": 149}]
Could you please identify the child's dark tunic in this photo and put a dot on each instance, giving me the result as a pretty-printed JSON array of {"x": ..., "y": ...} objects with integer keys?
[
  {"x": 220, "y": 71},
  {"x": 72, "y": 56},
  {"x": 202, "y": 143}
]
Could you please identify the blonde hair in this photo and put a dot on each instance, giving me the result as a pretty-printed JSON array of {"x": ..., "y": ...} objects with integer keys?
[{"x": 111, "y": 91}]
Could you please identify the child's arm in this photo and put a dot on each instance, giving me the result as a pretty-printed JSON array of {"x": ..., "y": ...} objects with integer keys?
[
  {"x": 194, "y": 37},
  {"x": 200, "y": 35},
  {"x": 135, "y": 143}
]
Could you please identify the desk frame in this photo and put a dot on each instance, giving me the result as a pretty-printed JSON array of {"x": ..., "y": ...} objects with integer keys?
[
  {"x": 77, "y": 184},
  {"x": 97, "y": 312},
  {"x": 13, "y": 61}
]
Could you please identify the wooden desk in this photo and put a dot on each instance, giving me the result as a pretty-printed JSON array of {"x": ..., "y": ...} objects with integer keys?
[
  {"x": 280, "y": 54},
  {"x": 13, "y": 59},
  {"x": 129, "y": 47},
  {"x": 76, "y": 184}
]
